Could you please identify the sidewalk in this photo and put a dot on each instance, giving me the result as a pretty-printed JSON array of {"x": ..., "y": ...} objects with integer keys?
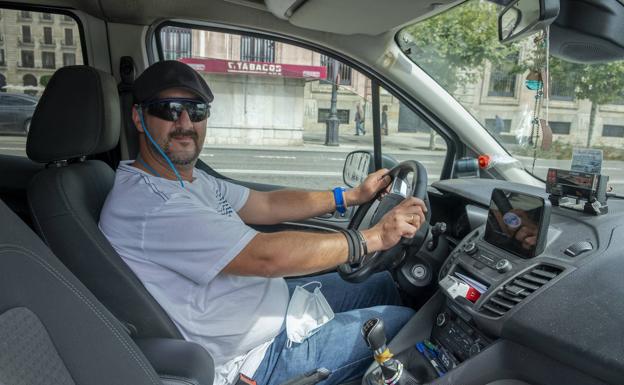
[{"x": 402, "y": 142}]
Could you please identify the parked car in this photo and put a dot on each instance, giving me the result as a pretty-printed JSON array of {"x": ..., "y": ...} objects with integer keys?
[{"x": 16, "y": 111}]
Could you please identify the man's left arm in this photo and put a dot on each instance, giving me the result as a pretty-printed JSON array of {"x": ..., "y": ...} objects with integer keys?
[{"x": 273, "y": 207}]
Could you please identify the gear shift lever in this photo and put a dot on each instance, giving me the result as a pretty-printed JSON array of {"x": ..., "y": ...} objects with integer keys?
[{"x": 392, "y": 370}]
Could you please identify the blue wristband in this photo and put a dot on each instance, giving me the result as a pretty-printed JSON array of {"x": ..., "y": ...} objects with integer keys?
[{"x": 339, "y": 199}]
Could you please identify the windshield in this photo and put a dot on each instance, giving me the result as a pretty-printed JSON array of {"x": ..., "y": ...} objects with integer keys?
[{"x": 583, "y": 104}]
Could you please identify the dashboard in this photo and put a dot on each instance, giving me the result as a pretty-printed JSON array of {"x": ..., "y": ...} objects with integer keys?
[{"x": 555, "y": 317}]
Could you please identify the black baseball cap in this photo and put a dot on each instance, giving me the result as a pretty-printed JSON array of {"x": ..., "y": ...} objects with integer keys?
[{"x": 170, "y": 74}]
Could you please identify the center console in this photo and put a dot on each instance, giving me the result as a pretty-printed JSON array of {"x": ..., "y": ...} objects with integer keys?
[{"x": 492, "y": 270}]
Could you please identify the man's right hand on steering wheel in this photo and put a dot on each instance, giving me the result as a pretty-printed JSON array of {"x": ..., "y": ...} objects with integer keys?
[{"x": 403, "y": 221}]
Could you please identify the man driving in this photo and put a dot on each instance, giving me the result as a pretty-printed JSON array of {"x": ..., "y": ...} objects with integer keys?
[{"x": 187, "y": 236}]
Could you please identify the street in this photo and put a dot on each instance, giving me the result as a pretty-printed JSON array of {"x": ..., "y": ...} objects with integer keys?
[{"x": 315, "y": 166}]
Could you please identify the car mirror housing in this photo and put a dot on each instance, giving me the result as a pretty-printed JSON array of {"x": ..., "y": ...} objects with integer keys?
[{"x": 524, "y": 17}]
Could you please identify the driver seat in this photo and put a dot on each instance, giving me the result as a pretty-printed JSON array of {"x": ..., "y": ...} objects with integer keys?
[{"x": 78, "y": 116}]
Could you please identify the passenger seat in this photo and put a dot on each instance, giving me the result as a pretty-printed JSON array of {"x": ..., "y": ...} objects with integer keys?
[{"x": 53, "y": 331}]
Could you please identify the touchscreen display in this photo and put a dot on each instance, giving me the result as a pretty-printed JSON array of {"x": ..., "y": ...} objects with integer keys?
[{"x": 516, "y": 222}]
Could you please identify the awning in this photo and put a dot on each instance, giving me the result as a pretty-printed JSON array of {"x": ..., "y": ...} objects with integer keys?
[{"x": 256, "y": 68}]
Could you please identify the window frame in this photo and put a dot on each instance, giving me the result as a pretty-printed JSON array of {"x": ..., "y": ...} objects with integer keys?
[{"x": 454, "y": 147}]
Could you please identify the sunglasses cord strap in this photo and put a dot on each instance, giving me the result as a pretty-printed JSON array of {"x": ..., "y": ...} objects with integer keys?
[{"x": 162, "y": 153}]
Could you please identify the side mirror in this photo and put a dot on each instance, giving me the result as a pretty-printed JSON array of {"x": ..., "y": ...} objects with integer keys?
[
  {"x": 360, "y": 163},
  {"x": 524, "y": 17}
]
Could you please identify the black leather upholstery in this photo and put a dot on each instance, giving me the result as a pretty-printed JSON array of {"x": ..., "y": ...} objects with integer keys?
[
  {"x": 177, "y": 360},
  {"x": 77, "y": 115},
  {"x": 66, "y": 204},
  {"x": 66, "y": 201},
  {"x": 92, "y": 345}
]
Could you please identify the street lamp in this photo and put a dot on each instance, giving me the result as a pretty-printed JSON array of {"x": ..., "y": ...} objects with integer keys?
[{"x": 332, "y": 123}]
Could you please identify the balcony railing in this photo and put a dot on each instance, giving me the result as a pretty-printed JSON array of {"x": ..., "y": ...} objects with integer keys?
[
  {"x": 502, "y": 84},
  {"x": 47, "y": 43},
  {"x": 562, "y": 92},
  {"x": 29, "y": 42},
  {"x": 46, "y": 18},
  {"x": 68, "y": 43}
]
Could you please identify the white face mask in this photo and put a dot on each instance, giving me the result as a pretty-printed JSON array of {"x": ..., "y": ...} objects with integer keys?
[{"x": 306, "y": 313}]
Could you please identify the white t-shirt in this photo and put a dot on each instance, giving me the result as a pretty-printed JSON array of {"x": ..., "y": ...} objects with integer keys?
[{"x": 177, "y": 240}]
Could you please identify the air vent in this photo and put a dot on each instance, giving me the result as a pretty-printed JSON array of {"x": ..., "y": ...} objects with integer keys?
[{"x": 518, "y": 289}]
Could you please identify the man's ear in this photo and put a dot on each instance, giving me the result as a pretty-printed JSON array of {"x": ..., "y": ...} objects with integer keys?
[{"x": 136, "y": 119}]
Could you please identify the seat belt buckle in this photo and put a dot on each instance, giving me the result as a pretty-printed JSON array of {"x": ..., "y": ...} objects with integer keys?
[{"x": 244, "y": 380}]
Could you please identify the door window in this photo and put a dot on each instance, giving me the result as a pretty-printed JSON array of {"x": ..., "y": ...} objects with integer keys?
[
  {"x": 27, "y": 61},
  {"x": 273, "y": 104},
  {"x": 407, "y": 136}
]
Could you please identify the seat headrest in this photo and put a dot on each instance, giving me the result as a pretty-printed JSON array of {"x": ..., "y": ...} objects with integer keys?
[{"x": 77, "y": 115}]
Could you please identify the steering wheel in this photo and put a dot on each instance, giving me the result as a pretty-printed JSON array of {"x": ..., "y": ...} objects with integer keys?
[{"x": 399, "y": 190}]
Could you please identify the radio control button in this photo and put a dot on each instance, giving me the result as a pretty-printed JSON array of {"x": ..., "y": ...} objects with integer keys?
[
  {"x": 503, "y": 266},
  {"x": 441, "y": 319},
  {"x": 470, "y": 248}
]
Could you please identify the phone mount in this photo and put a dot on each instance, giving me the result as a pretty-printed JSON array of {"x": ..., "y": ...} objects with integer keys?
[{"x": 580, "y": 191}]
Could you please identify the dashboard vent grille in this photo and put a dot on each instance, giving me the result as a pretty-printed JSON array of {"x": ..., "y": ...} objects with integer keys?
[{"x": 518, "y": 289}]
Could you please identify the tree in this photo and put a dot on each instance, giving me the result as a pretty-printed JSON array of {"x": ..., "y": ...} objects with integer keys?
[
  {"x": 44, "y": 80},
  {"x": 454, "y": 46},
  {"x": 599, "y": 83}
]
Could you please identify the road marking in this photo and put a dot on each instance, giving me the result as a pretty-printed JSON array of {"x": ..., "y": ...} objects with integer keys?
[
  {"x": 274, "y": 157},
  {"x": 278, "y": 172},
  {"x": 12, "y": 148},
  {"x": 337, "y": 159},
  {"x": 207, "y": 155}
]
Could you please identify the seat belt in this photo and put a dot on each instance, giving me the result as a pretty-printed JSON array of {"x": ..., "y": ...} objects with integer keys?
[{"x": 129, "y": 138}]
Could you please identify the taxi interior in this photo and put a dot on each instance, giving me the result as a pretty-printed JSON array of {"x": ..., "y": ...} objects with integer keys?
[{"x": 72, "y": 312}]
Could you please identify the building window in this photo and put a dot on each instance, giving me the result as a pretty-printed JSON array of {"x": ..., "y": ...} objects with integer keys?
[
  {"x": 344, "y": 71},
  {"x": 30, "y": 83},
  {"x": 68, "y": 18},
  {"x": 3, "y": 83},
  {"x": 562, "y": 91},
  {"x": 258, "y": 50},
  {"x": 176, "y": 42},
  {"x": 26, "y": 36},
  {"x": 502, "y": 79},
  {"x": 323, "y": 115},
  {"x": 47, "y": 60},
  {"x": 25, "y": 15},
  {"x": 47, "y": 35},
  {"x": 560, "y": 128},
  {"x": 69, "y": 36},
  {"x": 28, "y": 59},
  {"x": 69, "y": 59},
  {"x": 613, "y": 131},
  {"x": 46, "y": 16},
  {"x": 2, "y": 62},
  {"x": 490, "y": 125}
]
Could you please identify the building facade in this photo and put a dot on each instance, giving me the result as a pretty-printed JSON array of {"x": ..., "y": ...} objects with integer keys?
[
  {"x": 32, "y": 46},
  {"x": 257, "y": 108}
]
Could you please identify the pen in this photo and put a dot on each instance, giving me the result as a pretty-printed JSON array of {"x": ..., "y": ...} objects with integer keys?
[{"x": 425, "y": 352}]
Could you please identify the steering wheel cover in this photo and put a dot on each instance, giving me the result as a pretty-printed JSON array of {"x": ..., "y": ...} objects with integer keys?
[{"x": 378, "y": 260}]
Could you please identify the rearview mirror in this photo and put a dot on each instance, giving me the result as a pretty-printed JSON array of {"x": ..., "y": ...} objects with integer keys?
[{"x": 524, "y": 17}]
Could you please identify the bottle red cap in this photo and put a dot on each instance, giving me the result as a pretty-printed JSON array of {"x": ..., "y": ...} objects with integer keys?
[{"x": 484, "y": 161}]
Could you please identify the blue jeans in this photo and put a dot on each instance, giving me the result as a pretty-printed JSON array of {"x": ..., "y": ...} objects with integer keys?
[
  {"x": 359, "y": 127},
  {"x": 338, "y": 345}
]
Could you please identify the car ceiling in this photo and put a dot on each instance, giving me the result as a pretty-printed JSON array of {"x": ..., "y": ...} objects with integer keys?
[{"x": 346, "y": 17}]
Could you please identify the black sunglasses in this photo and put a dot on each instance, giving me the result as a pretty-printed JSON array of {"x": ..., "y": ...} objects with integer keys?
[{"x": 171, "y": 109}]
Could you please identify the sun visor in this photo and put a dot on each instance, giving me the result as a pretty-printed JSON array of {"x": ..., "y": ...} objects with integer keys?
[
  {"x": 348, "y": 17},
  {"x": 588, "y": 31}
]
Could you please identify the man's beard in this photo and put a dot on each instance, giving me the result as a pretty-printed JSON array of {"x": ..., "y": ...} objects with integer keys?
[{"x": 182, "y": 159}]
